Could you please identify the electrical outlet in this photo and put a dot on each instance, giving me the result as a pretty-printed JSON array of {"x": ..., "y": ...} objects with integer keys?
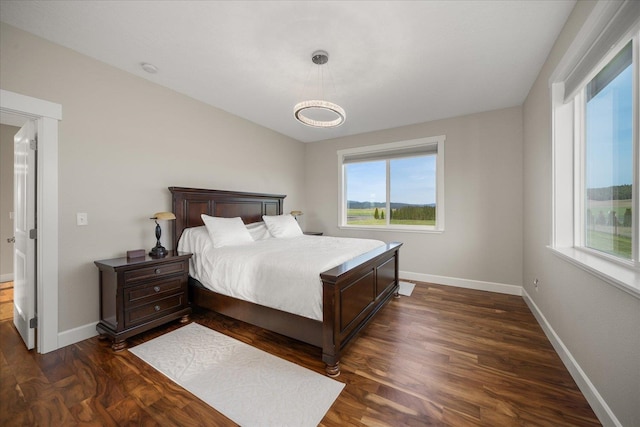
[
  {"x": 82, "y": 218},
  {"x": 535, "y": 284}
]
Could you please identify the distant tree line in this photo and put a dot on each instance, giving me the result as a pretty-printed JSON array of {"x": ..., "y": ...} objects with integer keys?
[
  {"x": 419, "y": 213},
  {"x": 615, "y": 192},
  {"x": 368, "y": 205},
  {"x": 365, "y": 205}
]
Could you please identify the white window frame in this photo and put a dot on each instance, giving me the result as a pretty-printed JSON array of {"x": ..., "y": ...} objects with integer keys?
[
  {"x": 609, "y": 28},
  {"x": 391, "y": 149}
]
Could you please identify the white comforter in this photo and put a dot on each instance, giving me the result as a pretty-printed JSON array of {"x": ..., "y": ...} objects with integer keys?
[{"x": 277, "y": 273}]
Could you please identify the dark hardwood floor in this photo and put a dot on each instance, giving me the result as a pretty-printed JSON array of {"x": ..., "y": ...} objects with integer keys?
[
  {"x": 6, "y": 300},
  {"x": 444, "y": 356}
]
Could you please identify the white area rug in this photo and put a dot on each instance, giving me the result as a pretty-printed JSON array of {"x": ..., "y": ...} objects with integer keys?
[
  {"x": 250, "y": 386},
  {"x": 406, "y": 288}
]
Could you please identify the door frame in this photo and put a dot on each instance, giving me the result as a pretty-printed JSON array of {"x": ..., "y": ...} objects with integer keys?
[{"x": 46, "y": 115}]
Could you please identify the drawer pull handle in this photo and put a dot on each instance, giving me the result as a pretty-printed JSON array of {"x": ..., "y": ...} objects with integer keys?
[
  {"x": 157, "y": 307},
  {"x": 157, "y": 271},
  {"x": 156, "y": 288}
]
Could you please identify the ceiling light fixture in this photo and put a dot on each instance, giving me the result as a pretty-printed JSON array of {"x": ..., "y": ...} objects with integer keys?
[{"x": 317, "y": 112}]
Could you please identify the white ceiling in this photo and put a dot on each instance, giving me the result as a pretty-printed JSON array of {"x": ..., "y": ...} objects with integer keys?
[{"x": 391, "y": 63}]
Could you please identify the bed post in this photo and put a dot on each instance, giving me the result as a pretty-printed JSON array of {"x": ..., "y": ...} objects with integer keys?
[{"x": 330, "y": 352}]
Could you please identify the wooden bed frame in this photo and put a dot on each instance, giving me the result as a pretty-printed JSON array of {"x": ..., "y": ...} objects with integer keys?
[{"x": 353, "y": 292}]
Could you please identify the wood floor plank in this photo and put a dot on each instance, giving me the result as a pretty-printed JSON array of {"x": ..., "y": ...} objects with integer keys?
[
  {"x": 49, "y": 409},
  {"x": 90, "y": 412},
  {"x": 444, "y": 356},
  {"x": 14, "y": 409},
  {"x": 6, "y": 301},
  {"x": 6, "y": 295},
  {"x": 129, "y": 412}
]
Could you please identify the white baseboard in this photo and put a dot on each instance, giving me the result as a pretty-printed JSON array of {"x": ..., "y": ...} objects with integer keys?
[
  {"x": 72, "y": 336},
  {"x": 463, "y": 283},
  {"x": 6, "y": 277},
  {"x": 598, "y": 404}
]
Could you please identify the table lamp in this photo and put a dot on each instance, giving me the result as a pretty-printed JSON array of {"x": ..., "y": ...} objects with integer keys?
[{"x": 159, "y": 251}]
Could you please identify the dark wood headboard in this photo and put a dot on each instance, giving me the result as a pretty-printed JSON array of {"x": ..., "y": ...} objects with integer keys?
[{"x": 189, "y": 203}]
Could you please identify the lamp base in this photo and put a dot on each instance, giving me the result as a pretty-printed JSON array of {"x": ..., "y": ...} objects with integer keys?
[{"x": 158, "y": 252}]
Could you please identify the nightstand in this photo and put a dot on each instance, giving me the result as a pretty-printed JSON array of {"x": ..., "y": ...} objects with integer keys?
[
  {"x": 313, "y": 233},
  {"x": 141, "y": 293}
]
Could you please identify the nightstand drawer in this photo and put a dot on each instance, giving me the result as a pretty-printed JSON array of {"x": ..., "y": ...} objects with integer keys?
[
  {"x": 153, "y": 290},
  {"x": 156, "y": 309},
  {"x": 156, "y": 271}
]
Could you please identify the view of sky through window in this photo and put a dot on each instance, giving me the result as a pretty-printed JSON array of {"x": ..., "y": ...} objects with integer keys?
[
  {"x": 609, "y": 132},
  {"x": 413, "y": 181},
  {"x": 367, "y": 181}
]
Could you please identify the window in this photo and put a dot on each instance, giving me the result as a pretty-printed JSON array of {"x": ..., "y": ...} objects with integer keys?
[
  {"x": 397, "y": 186},
  {"x": 596, "y": 163},
  {"x": 606, "y": 184}
]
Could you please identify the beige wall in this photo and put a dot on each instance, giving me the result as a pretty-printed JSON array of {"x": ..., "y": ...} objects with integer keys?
[
  {"x": 483, "y": 197},
  {"x": 122, "y": 142},
  {"x": 6, "y": 199},
  {"x": 597, "y": 322}
]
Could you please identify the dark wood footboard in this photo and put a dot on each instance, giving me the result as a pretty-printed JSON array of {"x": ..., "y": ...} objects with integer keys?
[{"x": 353, "y": 292}]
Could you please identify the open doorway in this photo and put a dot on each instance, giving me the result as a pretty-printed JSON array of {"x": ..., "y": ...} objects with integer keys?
[
  {"x": 46, "y": 116},
  {"x": 9, "y": 126}
]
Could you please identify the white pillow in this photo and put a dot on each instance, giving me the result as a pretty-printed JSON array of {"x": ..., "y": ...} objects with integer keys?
[
  {"x": 226, "y": 231},
  {"x": 259, "y": 231},
  {"x": 282, "y": 226},
  {"x": 194, "y": 240}
]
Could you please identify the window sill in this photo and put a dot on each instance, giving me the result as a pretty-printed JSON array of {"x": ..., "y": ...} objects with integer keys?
[
  {"x": 622, "y": 277},
  {"x": 392, "y": 229}
]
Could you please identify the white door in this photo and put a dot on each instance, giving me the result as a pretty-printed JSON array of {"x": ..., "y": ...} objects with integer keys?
[{"x": 24, "y": 260}]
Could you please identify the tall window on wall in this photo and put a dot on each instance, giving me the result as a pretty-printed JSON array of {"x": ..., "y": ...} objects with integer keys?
[
  {"x": 596, "y": 166},
  {"x": 394, "y": 186},
  {"x": 608, "y": 166}
]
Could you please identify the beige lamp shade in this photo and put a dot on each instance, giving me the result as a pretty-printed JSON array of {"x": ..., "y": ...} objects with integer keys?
[
  {"x": 167, "y": 216},
  {"x": 296, "y": 213}
]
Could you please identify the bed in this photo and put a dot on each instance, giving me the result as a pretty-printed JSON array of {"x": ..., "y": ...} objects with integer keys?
[{"x": 352, "y": 292}]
